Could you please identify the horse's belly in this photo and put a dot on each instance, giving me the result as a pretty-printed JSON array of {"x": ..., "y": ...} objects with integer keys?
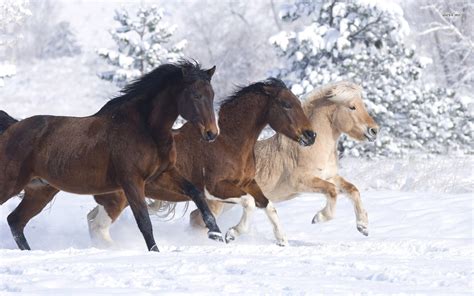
[
  {"x": 281, "y": 194},
  {"x": 83, "y": 185},
  {"x": 84, "y": 174},
  {"x": 326, "y": 173}
]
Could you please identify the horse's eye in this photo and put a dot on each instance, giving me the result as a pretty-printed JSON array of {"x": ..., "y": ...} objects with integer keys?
[
  {"x": 285, "y": 105},
  {"x": 352, "y": 107}
]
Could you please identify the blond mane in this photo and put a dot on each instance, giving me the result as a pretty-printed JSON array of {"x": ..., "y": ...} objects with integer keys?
[{"x": 336, "y": 92}]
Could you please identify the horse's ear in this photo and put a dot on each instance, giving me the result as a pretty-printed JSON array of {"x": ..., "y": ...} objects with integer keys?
[{"x": 211, "y": 71}]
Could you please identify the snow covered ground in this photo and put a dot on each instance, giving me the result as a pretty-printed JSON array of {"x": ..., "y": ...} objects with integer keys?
[
  {"x": 420, "y": 211},
  {"x": 420, "y": 241}
]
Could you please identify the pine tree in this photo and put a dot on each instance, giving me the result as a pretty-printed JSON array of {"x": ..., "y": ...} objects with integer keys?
[
  {"x": 364, "y": 42},
  {"x": 61, "y": 43},
  {"x": 142, "y": 44}
]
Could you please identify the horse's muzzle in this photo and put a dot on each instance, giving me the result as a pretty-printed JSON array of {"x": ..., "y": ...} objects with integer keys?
[
  {"x": 307, "y": 138},
  {"x": 210, "y": 136},
  {"x": 371, "y": 133}
]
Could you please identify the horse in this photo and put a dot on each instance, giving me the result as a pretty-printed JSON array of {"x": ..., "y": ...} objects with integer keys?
[
  {"x": 284, "y": 169},
  {"x": 125, "y": 144}
]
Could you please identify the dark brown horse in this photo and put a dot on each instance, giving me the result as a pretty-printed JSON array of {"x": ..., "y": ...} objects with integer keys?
[
  {"x": 128, "y": 142},
  {"x": 226, "y": 168}
]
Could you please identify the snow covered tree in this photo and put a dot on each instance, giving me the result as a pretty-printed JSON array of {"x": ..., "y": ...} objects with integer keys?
[
  {"x": 12, "y": 15},
  {"x": 364, "y": 42},
  {"x": 61, "y": 43},
  {"x": 142, "y": 44}
]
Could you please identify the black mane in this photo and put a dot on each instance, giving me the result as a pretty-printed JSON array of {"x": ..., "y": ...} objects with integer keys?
[
  {"x": 153, "y": 82},
  {"x": 257, "y": 87}
]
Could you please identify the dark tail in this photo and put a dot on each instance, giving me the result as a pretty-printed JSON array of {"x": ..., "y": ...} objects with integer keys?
[{"x": 5, "y": 121}]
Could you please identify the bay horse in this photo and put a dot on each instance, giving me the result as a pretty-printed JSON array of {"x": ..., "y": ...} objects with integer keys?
[
  {"x": 284, "y": 169},
  {"x": 225, "y": 168},
  {"x": 125, "y": 144}
]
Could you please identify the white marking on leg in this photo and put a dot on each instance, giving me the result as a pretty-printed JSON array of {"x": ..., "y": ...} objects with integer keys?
[
  {"x": 329, "y": 210},
  {"x": 327, "y": 213},
  {"x": 275, "y": 220},
  {"x": 99, "y": 226},
  {"x": 248, "y": 204}
]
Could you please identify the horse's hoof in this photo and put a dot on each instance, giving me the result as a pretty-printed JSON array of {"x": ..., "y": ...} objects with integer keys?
[
  {"x": 319, "y": 218},
  {"x": 217, "y": 236},
  {"x": 230, "y": 236},
  {"x": 282, "y": 242},
  {"x": 154, "y": 249},
  {"x": 363, "y": 229}
]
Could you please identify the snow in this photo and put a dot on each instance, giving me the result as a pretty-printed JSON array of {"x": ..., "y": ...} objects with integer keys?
[
  {"x": 420, "y": 241},
  {"x": 63, "y": 86},
  {"x": 420, "y": 209}
]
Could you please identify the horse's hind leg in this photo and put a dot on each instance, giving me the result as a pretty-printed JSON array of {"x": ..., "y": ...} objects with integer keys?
[
  {"x": 216, "y": 207},
  {"x": 11, "y": 186},
  {"x": 172, "y": 181},
  {"x": 102, "y": 216},
  {"x": 37, "y": 196},
  {"x": 362, "y": 219}
]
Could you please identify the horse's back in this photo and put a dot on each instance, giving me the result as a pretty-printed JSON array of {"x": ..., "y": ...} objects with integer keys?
[
  {"x": 21, "y": 138},
  {"x": 55, "y": 146}
]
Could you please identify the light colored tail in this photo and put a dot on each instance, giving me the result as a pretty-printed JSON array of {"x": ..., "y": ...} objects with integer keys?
[{"x": 164, "y": 209}]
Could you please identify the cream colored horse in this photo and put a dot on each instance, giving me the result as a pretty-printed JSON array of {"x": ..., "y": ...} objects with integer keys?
[{"x": 285, "y": 169}]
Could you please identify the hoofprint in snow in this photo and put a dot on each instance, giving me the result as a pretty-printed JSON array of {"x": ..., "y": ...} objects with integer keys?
[{"x": 420, "y": 241}]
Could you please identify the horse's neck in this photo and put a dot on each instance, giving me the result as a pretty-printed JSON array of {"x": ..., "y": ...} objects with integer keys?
[
  {"x": 163, "y": 113},
  {"x": 243, "y": 122},
  {"x": 324, "y": 151},
  {"x": 321, "y": 118},
  {"x": 287, "y": 155}
]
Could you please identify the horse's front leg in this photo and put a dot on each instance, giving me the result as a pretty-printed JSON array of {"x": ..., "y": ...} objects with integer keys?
[
  {"x": 262, "y": 202},
  {"x": 315, "y": 184},
  {"x": 248, "y": 205},
  {"x": 362, "y": 219},
  {"x": 135, "y": 193}
]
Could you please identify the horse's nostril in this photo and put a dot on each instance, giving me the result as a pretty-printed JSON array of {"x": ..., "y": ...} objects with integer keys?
[
  {"x": 373, "y": 131},
  {"x": 210, "y": 136},
  {"x": 309, "y": 134}
]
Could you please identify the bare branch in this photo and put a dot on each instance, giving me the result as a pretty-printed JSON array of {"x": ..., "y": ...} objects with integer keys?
[
  {"x": 446, "y": 25},
  {"x": 434, "y": 29}
]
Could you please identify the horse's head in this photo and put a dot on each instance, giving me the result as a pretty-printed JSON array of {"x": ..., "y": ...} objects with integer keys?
[
  {"x": 195, "y": 101},
  {"x": 350, "y": 115},
  {"x": 286, "y": 114}
]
